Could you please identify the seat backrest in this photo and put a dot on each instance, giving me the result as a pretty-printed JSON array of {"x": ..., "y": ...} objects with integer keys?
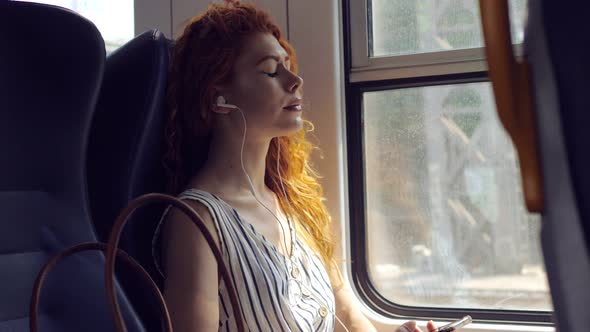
[
  {"x": 124, "y": 156},
  {"x": 561, "y": 75},
  {"x": 51, "y": 68}
]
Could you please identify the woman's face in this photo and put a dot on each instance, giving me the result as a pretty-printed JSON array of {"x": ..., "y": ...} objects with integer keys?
[{"x": 264, "y": 88}]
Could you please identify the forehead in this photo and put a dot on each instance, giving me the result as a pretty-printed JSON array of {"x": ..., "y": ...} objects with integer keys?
[{"x": 258, "y": 45}]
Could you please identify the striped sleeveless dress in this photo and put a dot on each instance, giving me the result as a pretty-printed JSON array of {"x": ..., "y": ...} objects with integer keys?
[{"x": 277, "y": 293}]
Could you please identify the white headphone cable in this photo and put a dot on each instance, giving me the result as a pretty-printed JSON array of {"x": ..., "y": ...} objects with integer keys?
[
  {"x": 291, "y": 230},
  {"x": 291, "y": 226},
  {"x": 287, "y": 254},
  {"x": 302, "y": 286}
]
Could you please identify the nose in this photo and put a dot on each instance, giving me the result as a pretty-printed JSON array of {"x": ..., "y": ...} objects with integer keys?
[{"x": 295, "y": 83}]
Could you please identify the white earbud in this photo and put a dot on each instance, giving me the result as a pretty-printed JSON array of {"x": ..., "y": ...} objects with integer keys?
[{"x": 221, "y": 102}]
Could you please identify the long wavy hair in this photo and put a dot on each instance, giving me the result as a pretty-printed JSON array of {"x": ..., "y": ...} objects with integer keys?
[{"x": 202, "y": 57}]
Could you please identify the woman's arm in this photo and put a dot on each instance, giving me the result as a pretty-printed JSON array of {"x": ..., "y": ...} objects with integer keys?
[
  {"x": 349, "y": 312},
  {"x": 192, "y": 282},
  {"x": 348, "y": 309}
]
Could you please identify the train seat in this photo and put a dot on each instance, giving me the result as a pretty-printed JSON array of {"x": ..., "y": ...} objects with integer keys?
[{"x": 52, "y": 67}]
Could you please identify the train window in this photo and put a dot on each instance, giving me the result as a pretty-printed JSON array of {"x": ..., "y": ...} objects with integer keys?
[
  {"x": 113, "y": 18},
  {"x": 426, "y": 26},
  {"x": 445, "y": 214},
  {"x": 443, "y": 226}
]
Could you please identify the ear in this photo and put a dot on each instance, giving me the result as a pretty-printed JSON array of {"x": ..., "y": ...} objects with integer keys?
[{"x": 220, "y": 100}]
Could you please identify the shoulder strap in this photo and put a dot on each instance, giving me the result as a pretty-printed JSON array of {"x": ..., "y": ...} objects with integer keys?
[{"x": 209, "y": 201}]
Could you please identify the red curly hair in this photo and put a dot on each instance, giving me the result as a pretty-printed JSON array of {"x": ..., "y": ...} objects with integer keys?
[{"x": 202, "y": 57}]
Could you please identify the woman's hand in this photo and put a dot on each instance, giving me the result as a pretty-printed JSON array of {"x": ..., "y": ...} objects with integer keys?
[{"x": 411, "y": 327}]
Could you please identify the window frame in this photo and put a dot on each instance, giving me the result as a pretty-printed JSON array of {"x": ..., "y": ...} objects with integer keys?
[
  {"x": 365, "y": 68},
  {"x": 364, "y": 74}
]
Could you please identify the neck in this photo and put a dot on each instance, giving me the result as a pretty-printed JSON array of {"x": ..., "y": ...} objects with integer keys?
[{"x": 223, "y": 167}]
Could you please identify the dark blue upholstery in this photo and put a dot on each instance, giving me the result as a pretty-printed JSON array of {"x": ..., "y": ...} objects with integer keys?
[
  {"x": 571, "y": 67},
  {"x": 51, "y": 68},
  {"x": 124, "y": 156},
  {"x": 561, "y": 73}
]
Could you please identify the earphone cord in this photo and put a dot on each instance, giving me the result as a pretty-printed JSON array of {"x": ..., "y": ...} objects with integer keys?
[
  {"x": 291, "y": 230},
  {"x": 301, "y": 285},
  {"x": 287, "y": 254},
  {"x": 291, "y": 227}
]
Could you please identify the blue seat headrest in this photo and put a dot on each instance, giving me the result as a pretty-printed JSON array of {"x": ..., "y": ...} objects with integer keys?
[
  {"x": 51, "y": 64},
  {"x": 124, "y": 155}
]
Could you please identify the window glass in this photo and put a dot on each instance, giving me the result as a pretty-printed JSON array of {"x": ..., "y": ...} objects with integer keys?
[
  {"x": 446, "y": 221},
  {"x": 113, "y": 18},
  {"x": 398, "y": 27}
]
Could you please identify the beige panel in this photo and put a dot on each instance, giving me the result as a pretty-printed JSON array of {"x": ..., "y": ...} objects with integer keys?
[
  {"x": 315, "y": 35},
  {"x": 183, "y": 10},
  {"x": 277, "y": 9},
  {"x": 152, "y": 14}
]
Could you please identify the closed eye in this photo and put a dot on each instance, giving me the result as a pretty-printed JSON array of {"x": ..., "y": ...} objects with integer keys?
[{"x": 275, "y": 74}]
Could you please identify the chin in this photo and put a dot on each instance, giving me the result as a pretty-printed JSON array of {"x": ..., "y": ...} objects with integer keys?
[{"x": 292, "y": 127}]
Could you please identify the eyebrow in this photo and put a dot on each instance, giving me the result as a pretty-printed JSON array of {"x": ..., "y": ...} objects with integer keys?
[{"x": 274, "y": 57}]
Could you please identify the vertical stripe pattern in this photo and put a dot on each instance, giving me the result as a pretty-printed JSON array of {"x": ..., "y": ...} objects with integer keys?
[{"x": 276, "y": 293}]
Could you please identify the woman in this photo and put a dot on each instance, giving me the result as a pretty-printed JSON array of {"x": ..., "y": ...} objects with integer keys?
[{"x": 236, "y": 152}]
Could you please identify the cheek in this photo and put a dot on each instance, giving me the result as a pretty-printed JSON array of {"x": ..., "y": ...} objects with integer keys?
[{"x": 260, "y": 93}]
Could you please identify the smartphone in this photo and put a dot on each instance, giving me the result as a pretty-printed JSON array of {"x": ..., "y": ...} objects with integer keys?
[{"x": 455, "y": 325}]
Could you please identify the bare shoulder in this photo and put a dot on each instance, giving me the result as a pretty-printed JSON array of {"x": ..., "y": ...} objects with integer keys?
[
  {"x": 192, "y": 281},
  {"x": 178, "y": 223},
  {"x": 181, "y": 236}
]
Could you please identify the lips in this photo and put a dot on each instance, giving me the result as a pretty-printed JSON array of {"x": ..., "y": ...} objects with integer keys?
[
  {"x": 294, "y": 105},
  {"x": 293, "y": 108}
]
